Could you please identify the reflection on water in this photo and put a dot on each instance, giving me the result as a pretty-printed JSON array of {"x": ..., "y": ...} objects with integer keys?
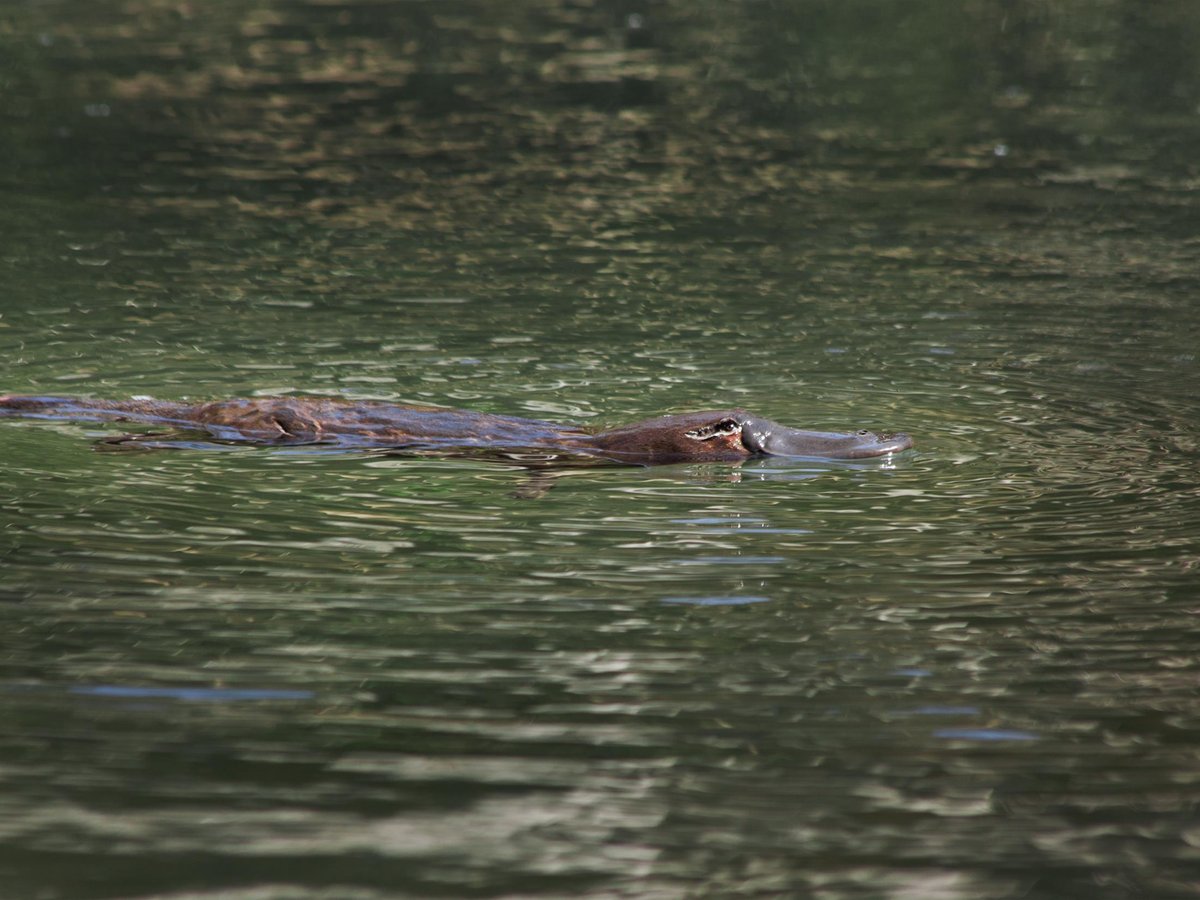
[{"x": 965, "y": 672}]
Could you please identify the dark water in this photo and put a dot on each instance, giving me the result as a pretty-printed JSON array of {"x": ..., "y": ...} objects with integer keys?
[{"x": 969, "y": 672}]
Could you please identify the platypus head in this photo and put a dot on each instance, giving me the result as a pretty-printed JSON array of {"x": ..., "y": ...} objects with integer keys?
[{"x": 735, "y": 434}]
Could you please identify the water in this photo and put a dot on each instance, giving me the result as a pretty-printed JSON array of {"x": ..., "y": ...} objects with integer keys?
[{"x": 966, "y": 672}]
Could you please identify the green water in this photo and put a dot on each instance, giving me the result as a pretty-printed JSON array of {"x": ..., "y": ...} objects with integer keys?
[{"x": 968, "y": 672}]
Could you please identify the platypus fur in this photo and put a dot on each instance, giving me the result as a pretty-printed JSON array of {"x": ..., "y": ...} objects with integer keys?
[{"x": 717, "y": 435}]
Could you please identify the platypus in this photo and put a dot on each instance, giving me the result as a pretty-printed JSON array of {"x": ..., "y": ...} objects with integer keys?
[{"x": 714, "y": 436}]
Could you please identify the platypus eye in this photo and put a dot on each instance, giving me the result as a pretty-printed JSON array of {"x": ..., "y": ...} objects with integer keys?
[
  {"x": 863, "y": 433},
  {"x": 715, "y": 430}
]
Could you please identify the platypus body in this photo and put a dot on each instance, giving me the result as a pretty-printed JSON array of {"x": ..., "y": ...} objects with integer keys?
[{"x": 715, "y": 436}]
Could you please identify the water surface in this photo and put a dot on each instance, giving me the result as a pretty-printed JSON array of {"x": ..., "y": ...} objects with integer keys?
[{"x": 968, "y": 671}]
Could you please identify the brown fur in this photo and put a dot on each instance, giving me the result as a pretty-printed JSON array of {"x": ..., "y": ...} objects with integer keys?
[{"x": 719, "y": 435}]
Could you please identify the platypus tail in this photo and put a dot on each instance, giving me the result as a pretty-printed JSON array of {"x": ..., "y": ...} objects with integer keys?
[{"x": 139, "y": 410}]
